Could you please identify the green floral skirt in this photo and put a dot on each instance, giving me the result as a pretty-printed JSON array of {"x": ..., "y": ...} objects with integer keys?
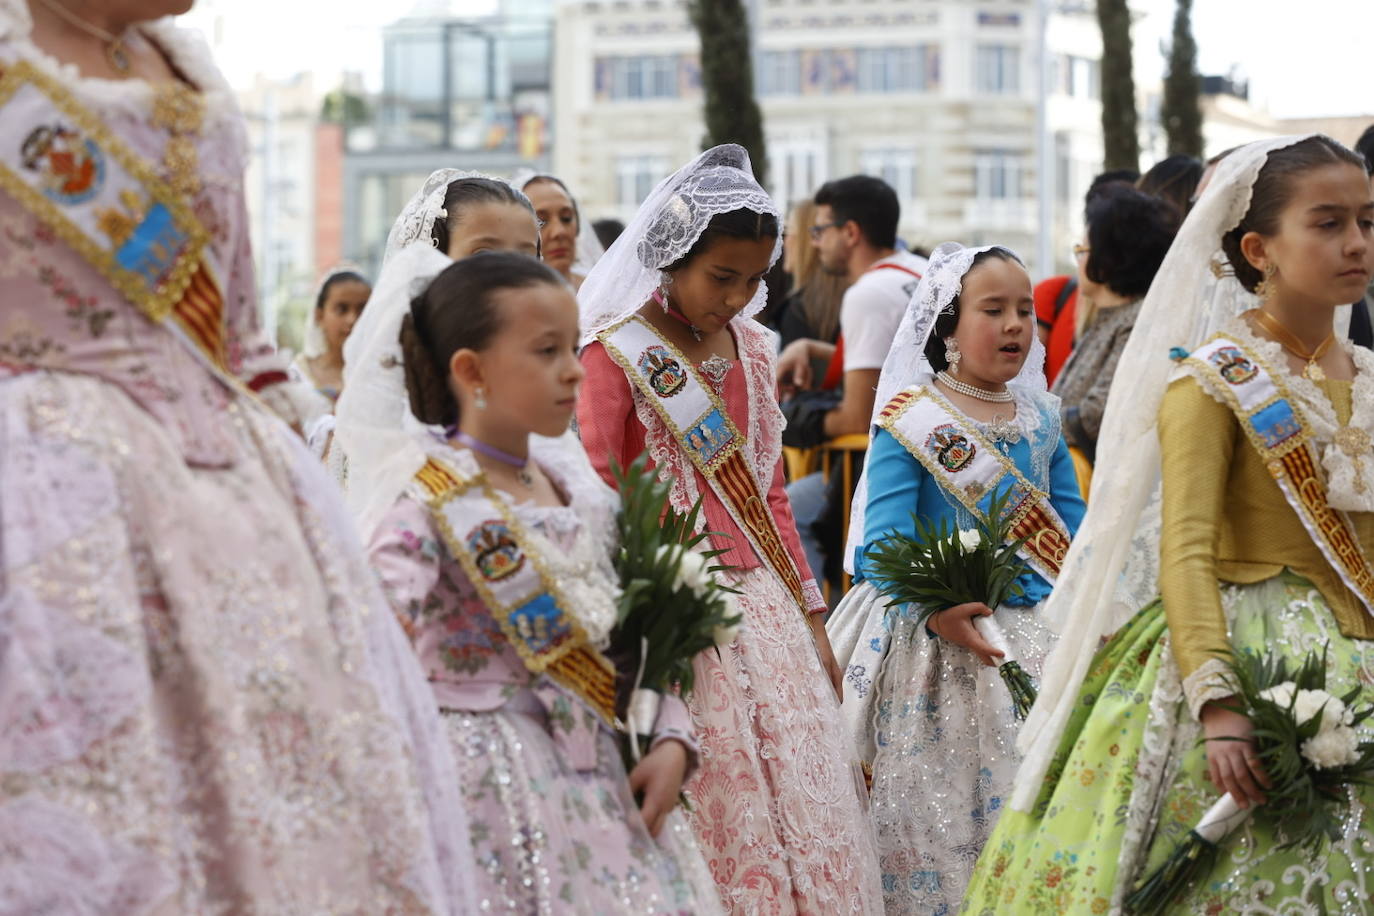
[{"x": 1129, "y": 780}]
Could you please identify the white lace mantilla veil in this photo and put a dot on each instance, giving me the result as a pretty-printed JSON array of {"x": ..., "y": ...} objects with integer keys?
[
  {"x": 375, "y": 436},
  {"x": 906, "y": 364},
  {"x": 665, "y": 228},
  {"x": 589, "y": 249},
  {"x": 1112, "y": 567}
]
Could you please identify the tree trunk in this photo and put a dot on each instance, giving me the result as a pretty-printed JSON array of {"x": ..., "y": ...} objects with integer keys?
[
  {"x": 1120, "y": 143},
  {"x": 1180, "y": 112},
  {"x": 727, "y": 79}
]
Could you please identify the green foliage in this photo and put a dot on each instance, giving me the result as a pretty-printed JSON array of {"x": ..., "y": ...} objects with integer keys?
[
  {"x": 933, "y": 572},
  {"x": 340, "y": 107},
  {"x": 727, "y": 77},
  {"x": 1180, "y": 112},
  {"x": 673, "y": 621},
  {"x": 1120, "y": 142}
]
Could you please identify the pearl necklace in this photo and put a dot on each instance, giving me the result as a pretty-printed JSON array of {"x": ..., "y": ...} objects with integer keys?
[{"x": 982, "y": 394}]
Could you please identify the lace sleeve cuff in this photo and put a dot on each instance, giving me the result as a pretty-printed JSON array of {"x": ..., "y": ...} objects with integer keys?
[
  {"x": 674, "y": 723},
  {"x": 1206, "y": 684},
  {"x": 815, "y": 601}
]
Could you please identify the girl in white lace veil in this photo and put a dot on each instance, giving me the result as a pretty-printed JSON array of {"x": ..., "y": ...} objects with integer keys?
[
  {"x": 1114, "y": 561},
  {"x": 906, "y": 364},
  {"x": 665, "y": 228},
  {"x": 587, "y": 247},
  {"x": 373, "y": 454},
  {"x": 1125, "y": 747},
  {"x": 778, "y": 816},
  {"x": 929, "y": 716}
]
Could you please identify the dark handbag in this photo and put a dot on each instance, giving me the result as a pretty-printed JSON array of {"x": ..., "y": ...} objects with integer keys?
[{"x": 805, "y": 414}]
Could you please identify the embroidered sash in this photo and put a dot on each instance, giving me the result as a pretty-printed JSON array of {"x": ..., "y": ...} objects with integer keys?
[
  {"x": 1278, "y": 431},
  {"x": 483, "y": 534},
  {"x": 699, "y": 422},
  {"x": 968, "y": 466},
  {"x": 104, "y": 200}
]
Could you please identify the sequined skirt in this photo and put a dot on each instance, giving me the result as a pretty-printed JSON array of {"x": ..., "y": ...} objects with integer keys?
[
  {"x": 1130, "y": 780},
  {"x": 938, "y": 728},
  {"x": 549, "y": 839},
  {"x": 205, "y": 706}
]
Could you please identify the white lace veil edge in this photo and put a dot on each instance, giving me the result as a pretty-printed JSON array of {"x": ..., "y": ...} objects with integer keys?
[
  {"x": 588, "y": 246},
  {"x": 313, "y": 343},
  {"x": 906, "y": 364},
  {"x": 375, "y": 439},
  {"x": 416, "y": 222},
  {"x": 1111, "y": 570},
  {"x": 375, "y": 427},
  {"x": 665, "y": 227}
]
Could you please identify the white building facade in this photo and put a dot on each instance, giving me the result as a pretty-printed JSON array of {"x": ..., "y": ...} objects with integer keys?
[{"x": 937, "y": 97}]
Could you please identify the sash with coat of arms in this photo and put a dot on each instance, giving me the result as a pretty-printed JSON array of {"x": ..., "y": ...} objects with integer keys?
[
  {"x": 484, "y": 536},
  {"x": 1278, "y": 430},
  {"x": 970, "y": 468},
  {"x": 104, "y": 200},
  {"x": 698, "y": 421}
]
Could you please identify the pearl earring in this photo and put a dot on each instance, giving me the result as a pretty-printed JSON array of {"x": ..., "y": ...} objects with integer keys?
[{"x": 479, "y": 398}]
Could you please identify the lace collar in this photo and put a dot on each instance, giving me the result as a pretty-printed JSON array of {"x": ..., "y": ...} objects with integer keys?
[
  {"x": 184, "y": 48},
  {"x": 1349, "y": 471}
]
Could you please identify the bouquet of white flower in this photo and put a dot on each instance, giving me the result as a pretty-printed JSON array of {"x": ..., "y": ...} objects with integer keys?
[
  {"x": 943, "y": 567},
  {"x": 672, "y": 606},
  {"x": 1307, "y": 744}
]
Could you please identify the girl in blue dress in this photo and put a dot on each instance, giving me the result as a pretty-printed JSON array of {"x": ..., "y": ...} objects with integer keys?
[{"x": 961, "y": 413}]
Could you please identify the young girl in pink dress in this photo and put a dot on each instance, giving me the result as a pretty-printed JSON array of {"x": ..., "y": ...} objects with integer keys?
[
  {"x": 496, "y": 554},
  {"x": 676, "y": 365}
]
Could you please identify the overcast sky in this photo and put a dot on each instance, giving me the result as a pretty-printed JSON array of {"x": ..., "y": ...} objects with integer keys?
[{"x": 1305, "y": 59}]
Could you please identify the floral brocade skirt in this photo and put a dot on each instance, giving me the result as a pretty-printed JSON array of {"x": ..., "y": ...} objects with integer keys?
[
  {"x": 1130, "y": 780},
  {"x": 777, "y": 802},
  {"x": 550, "y": 839},
  {"x": 938, "y": 729},
  {"x": 206, "y": 705}
]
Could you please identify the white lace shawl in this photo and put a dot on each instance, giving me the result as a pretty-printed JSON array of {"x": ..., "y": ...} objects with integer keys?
[
  {"x": 906, "y": 364},
  {"x": 1112, "y": 567}
]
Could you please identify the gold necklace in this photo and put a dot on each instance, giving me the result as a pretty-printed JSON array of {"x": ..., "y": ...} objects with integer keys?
[
  {"x": 115, "y": 52},
  {"x": 1290, "y": 342}
]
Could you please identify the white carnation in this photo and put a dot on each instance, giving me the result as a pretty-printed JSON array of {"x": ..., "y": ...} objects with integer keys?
[
  {"x": 970, "y": 540},
  {"x": 692, "y": 570},
  {"x": 1310, "y": 702},
  {"x": 1334, "y": 748},
  {"x": 1280, "y": 694},
  {"x": 724, "y": 635}
]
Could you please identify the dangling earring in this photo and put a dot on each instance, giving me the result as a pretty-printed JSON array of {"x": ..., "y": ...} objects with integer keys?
[
  {"x": 952, "y": 354},
  {"x": 479, "y": 398},
  {"x": 665, "y": 281},
  {"x": 1264, "y": 289}
]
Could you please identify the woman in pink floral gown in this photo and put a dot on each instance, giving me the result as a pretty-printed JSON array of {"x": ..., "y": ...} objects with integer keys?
[{"x": 205, "y": 706}]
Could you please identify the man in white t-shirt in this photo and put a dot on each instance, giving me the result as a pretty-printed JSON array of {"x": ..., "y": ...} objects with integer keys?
[{"x": 855, "y": 233}]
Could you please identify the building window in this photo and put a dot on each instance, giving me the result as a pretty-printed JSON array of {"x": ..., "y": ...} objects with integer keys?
[
  {"x": 997, "y": 174},
  {"x": 653, "y": 76},
  {"x": 904, "y": 69},
  {"x": 796, "y": 169},
  {"x": 780, "y": 73},
  {"x": 1076, "y": 77},
  {"x": 894, "y": 165},
  {"x": 997, "y": 69},
  {"x": 636, "y": 177}
]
